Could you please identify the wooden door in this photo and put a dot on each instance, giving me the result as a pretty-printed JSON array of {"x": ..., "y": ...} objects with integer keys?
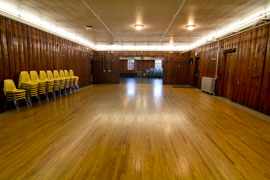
[
  {"x": 196, "y": 72},
  {"x": 107, "y": 68},
  {"x": 97, "y": 68},
  {"x": 229, "y": 75},
  {"x": 115, "y": 73}
]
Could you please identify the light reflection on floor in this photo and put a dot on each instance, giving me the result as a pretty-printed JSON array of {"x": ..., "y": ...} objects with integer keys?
[{"x": 131, "y": 85}]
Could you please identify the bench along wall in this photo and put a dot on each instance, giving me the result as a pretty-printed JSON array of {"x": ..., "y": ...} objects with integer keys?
[
  {"x": 25, "y": 48},
  {"x": 243, "y": 73}
]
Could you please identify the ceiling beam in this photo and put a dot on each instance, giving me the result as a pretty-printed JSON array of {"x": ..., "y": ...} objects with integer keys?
[
  {"x": 100, "y": 20},
  {"x": 169, "y": 26}
]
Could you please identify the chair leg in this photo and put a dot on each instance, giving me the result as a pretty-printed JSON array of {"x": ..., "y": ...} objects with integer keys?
[
  {"x": 27, "y": 103},
  {"x": 74, "y": 89},
  {"x": 70, "y": 91},
  {"x": 38, "y": 98},
  {"x": 5, "y": 108},
  {"x": 29, "y": 97},
  {"x": 47, "y": 93},
  {"x": 47, "y": 96},
  {"x": 65, "y": 90},
  {"x": 16, "y": 105},
  {"x": 54, "y": 96},
  {"x": 30, "y": 102},
  {"x": 38, "y": 94}
]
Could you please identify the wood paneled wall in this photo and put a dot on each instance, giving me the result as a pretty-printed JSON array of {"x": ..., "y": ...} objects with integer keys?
[
  {"x": 175, "y": 65},
  {"x": 24, "y": 48},
  {"x": 106, "y": 67},
  {"x": 140, "y": 65},
  {"x": 243, "y": 73}
]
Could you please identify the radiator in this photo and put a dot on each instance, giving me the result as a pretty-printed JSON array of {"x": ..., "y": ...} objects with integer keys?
[{"x": 208, "y": 85}]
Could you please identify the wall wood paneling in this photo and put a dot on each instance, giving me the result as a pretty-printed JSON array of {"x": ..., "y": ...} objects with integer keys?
[
  {"x": 24, "y": 48},
  {"x": 175, "y": 65},
  {"x": 243, "y": 73}
]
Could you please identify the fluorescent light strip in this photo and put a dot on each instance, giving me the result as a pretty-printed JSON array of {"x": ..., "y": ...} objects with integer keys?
[
  {"x": 232, "y": 28},
  {"x": 140, "y": 48},
  {"x": 12, "y": 12}
]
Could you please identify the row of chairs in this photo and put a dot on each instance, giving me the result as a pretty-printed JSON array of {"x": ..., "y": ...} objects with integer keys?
[
  {"x": 34, "y": 85},
  {"x": 154, "y": 73}
]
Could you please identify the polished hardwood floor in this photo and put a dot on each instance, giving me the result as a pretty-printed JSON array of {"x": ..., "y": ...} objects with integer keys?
[{"x": 134, "y": 131}]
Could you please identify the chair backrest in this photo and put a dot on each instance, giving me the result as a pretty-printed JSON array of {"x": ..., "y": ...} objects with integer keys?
[
  {"x": 9, "y": 85},
  {"x": 50, "y": 75},
  {"x": 34, "y": 76},
  {"x": 71, "y": 73},
  {"x": 66, "y": 73},
  {"x": 24, "y": 77},
  {"x": 56, "y": 74},
  {"x": 62, "y": 74},
  {"x": 42, "y": 75}
]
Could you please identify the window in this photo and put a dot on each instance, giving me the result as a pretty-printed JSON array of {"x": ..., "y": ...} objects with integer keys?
[
  {"x": 130, "y": 65},
  {"x": 158, "y": 64}
]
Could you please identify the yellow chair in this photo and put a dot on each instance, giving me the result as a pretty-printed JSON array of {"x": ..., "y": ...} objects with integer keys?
[
  {"x": 41, "y": 84},
  {"x": 56, "y": 82},
  {"x": 13, "y": 94},
  {"x": 76, "y": 78},
  {"x": 28, "y": 85},
  {"x": 62, "y": 81},
  {"x": 67, "y": 80},
  {"x": 49, "y": 84},
  {"x": 71, "y": 80}
]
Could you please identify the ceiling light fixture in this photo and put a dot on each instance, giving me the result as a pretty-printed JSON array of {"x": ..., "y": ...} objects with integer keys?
[
  {"x": 13, "y": 12},
  {"x": 190, "y": 27},
  {"x": 88, "y": 27},
  {"x": 138, "y": 26}
]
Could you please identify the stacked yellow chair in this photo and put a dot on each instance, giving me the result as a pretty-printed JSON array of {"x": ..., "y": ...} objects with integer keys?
[
  {"x": 41, "y": 84},
  {"x": 62, "y": 84},
  {"x": 56, "y": 82},
  {"x": 14, "y": 94},
  {"x": 67, "y": 80},
  {"x": 71, "y": 80},
  {"x": 49, "y": 84},
  {"x": 76, "y": 78},
  {"x": 28, "y": 85}
]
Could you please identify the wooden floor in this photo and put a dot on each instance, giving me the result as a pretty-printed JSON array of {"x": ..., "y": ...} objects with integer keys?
[{"x": 134, "y": 131}]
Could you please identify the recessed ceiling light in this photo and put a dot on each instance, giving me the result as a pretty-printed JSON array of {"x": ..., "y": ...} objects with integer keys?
[
  {"x": 88, "y": 27},
  {"x": 138, "y": 27},
  {"x": 190, "y": 27}
]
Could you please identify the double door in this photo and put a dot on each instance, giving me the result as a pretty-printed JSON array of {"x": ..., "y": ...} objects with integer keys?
[{"x": 106, "y": 68}]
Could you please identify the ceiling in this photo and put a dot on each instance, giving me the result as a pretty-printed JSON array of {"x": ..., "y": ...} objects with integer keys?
[{"x": 120, "y": 16}]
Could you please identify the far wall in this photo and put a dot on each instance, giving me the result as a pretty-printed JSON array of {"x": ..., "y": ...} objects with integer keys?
[
  {"x": 175, "y": 65},
  {"x": 139, "y": 66}
]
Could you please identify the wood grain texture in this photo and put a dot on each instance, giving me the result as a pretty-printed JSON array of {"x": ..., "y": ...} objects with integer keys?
[
  {"x": 140, "y": 65},
  {"x": 249, "y": 70},
  {"x": 24, "y": 48},
  {"x": 134, "y": 131},
  {"x": 175, "y": 65}
]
